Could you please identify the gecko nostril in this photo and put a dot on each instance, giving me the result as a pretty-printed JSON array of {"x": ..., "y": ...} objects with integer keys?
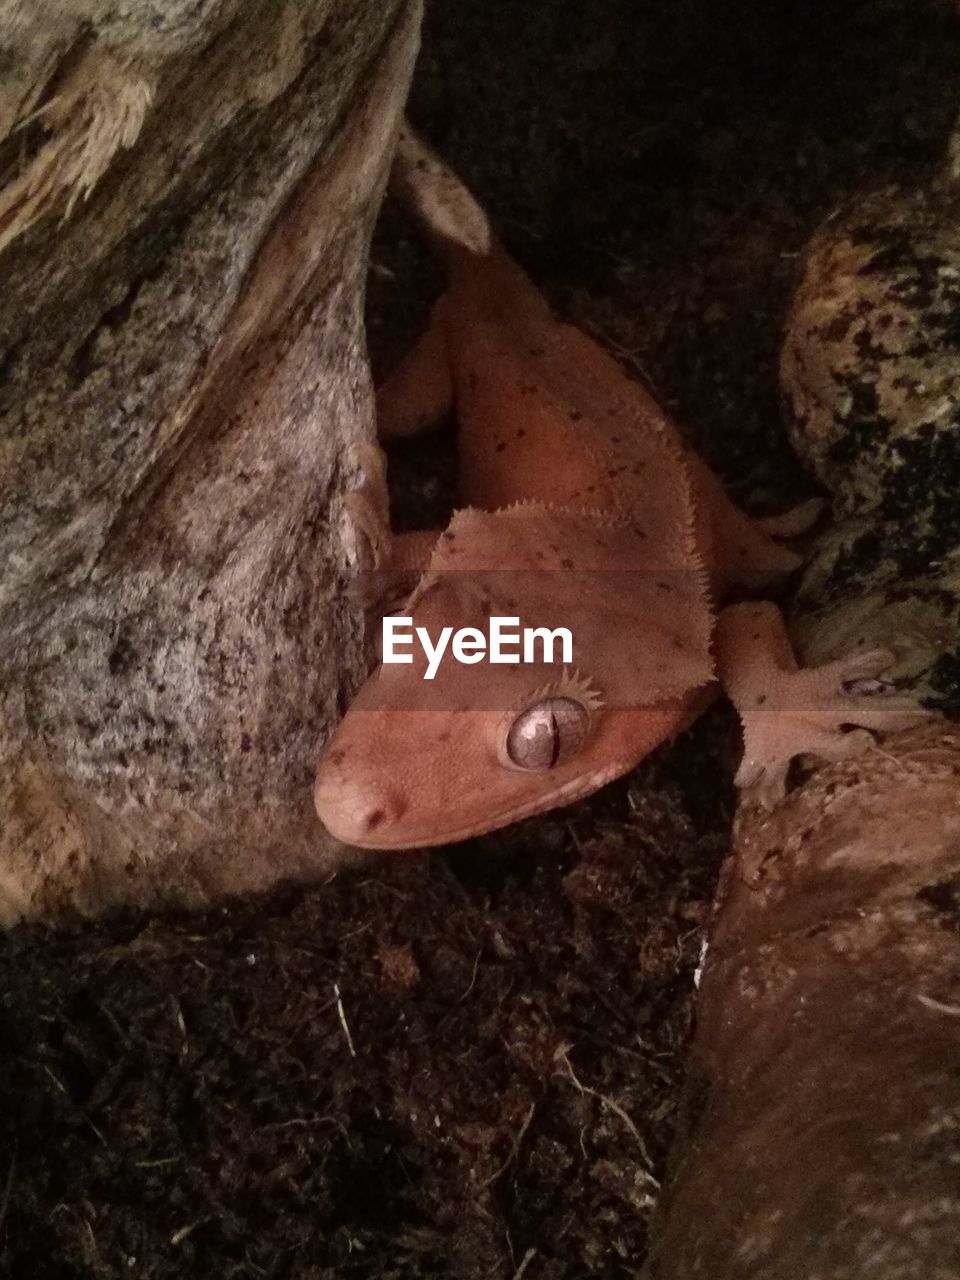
[{"x": 374, "y": 819}]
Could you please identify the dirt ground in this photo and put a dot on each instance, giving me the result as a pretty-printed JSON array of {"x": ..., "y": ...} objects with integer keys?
[{"x": 468, "y": 1064}]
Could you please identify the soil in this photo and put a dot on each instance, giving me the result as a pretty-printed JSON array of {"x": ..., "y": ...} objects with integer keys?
[{"x": 468, "y": 1063}]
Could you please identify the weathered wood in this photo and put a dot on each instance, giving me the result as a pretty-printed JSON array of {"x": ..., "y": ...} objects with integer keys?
[
  {"x": 823, "y": 1097},
  {"x": 184, "y": 380}
]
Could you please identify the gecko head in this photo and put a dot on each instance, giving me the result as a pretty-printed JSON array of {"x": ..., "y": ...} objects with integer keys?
[
  {"x": 439, "y": 747},
  {"x": 395, "y": 778}
]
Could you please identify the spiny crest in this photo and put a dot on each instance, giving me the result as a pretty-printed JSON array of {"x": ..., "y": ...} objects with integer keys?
[
  {"x": 571, "y": 684},
  {"x": 535, "y": 506},
  {"x": 528, "y": 505}
]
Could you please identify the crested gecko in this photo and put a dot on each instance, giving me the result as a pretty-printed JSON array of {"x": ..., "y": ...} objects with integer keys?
[{"x": 584, "y": 509}]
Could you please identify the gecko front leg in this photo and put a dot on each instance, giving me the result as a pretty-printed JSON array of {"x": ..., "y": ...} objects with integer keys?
[
  {"x": 387, "y": 564},
  {"x": 366, "y": 511},
  {"x": 416, "y": 396},
  {"x": 787, "y": 710}
]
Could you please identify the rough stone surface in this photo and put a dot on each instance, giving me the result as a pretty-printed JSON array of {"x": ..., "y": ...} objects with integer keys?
[
  {"x": 871, "y": 379},
  {"x": 184, "y": 376}
]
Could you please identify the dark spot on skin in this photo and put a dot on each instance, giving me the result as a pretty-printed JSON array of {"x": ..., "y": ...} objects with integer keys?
[
  {"x": 444, "y": 736},
  {"x": 663, "y": 588},
  {"x": 755, "y": 636},
  {"x": 338, "y": 756},
  {"x": 637, "y": 468},
  {"x": 374, "y": 819},
  {"x": 614, "y": 439},
  {"x": 575, "y": 415},
  {"x": 566, "y": 564},
  {"x": 678, "y": 643},
  {"x": 521, "y": 433},
  {"x": 527, "y": 388},
  {"x": 448, "y": 536},
  {"x": 539, "y": 555},
  {"x": 500, "y": 447},
  {"x": 537, "y": 351},
  {"x": 761, "y": 699},
  {"x": 246, "y": 742}
]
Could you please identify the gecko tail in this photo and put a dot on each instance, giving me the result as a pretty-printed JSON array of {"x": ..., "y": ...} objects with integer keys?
[{"x": 447, "y": 213}]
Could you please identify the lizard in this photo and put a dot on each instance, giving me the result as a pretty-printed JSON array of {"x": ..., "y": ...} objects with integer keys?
[{"x": 583, "y": 507}]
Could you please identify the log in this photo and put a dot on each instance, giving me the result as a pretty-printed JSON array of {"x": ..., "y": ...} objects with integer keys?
[
  {"x": 822, "y": 1106},
  {"x": 823, "y": 1098},
  {"x": 188, "y": 193}
]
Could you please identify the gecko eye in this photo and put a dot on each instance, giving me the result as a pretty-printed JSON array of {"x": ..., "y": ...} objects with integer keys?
[{"x": 547, "y": 733}]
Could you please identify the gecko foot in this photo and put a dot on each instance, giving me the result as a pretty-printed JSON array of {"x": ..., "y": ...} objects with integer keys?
[
  {"x": 786, "y": 711},
  {"x": 386, "y": 565},
  {"x": 366, "y": 510}
]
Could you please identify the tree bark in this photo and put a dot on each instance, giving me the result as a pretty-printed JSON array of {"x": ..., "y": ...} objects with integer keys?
[
  {"x": 819, "y": 1134},
  {"x": 184, "y": 382}
]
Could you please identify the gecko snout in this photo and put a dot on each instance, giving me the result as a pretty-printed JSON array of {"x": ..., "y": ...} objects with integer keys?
[{"x": 353, "y": 808}]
